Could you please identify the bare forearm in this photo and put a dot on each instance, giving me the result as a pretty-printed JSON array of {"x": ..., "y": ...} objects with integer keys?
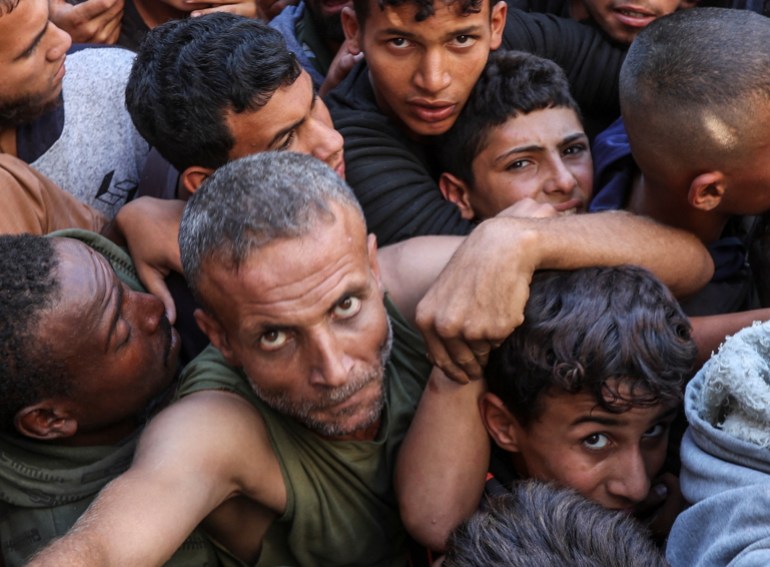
[
  {"x": 442, "y": 464},
  {"x": 410, "y": 267},
  {"x": 479, "y": 297},
  {"x": 677, "y": 257},
  {"x": 710, "y": 332}
]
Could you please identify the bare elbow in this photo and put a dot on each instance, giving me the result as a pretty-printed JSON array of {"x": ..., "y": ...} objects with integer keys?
[{"x": 429, "y": 531}]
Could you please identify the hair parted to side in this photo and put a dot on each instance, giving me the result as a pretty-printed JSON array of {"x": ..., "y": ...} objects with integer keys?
[
  {"x": 512, "y": 83},
  {"x": 190, "y": 73},
  {"x": 252, "y": 201},
  {"x": 425, "y": 8},
  {"x": 541, "y": 525},
  {"x": 28, "y": 287},
  {"x": 694, "y": 68},
  {"x": 583, "y": 330},
  {"x": 8, "y": 6}
]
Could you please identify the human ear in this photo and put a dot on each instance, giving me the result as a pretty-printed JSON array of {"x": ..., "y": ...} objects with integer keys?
[
  {"x": 707, "y": 190},
  {"x": 216, "y": 334},
  {"x": 374, "y": 265},
  {"x": 501, "y": 425},
  {"x": 352, "y": 29},
  {"x": 456, "y": 191},
  {"x": 497, "y": 24},
  {"x": 193, "y": 177},
  {"x": 45, "y": 421}
]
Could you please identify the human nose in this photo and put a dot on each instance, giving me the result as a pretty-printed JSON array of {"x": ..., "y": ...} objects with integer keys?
[
  {"x": 560, "y": 178},
  {"x": 432, "y": 75},
  {"x": 327, "y": 143},
  {"x": 60, "y": 42},
  {"x": 330, "y": 365},
  {"x": 149, "y": 311},
  {"x": 630, "y": 480}
]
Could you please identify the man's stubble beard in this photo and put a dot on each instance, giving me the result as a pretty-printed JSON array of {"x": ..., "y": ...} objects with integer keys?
[
  {"x": 302, "y": 411},
  {"x": 25, "y": 109}
]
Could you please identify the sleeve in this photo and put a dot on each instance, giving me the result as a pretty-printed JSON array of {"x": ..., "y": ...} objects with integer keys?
[
  {"x": 399, "y": 196},
  {"x": 591, "y": 62},
  {"x": 33, "y": 203}
]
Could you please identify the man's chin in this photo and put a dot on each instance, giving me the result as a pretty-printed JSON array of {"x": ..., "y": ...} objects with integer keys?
[{"x": 17, "y": 112}]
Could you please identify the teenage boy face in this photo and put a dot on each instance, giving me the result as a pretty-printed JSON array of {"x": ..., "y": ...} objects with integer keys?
[
  {"x": 543, "y": 156},
  {"x": 422, "y": 72},
  {"x": 610, "y": 458},
  {"x": 622, "y": 20}
]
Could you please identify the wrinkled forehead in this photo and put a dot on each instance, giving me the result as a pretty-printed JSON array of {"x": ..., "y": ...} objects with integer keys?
[
  {"x": 84, "y": 275},
  {"x": 332, "y": 251}
]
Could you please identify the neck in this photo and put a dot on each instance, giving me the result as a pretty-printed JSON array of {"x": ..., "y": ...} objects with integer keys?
[
  {"x": 107, "y": 436},
  {"x": 365, "y": 434},
  {"x": 8, "y": 141},
  {"x": 650, "y": 200},
  {"x": 156, "y": 12}
]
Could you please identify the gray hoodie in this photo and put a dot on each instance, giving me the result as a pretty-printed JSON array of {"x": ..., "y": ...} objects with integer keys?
[{"x": 726, "y": 459}]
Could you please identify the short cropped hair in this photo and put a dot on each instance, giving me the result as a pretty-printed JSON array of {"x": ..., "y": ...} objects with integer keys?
[
  {"x": 585, "y": 328},
  {"x": 696, "y": 76},
  {"x": 8, "y": 6},
  {"x": 512, "y": 83},
  {"x": 28, "y": 287},
  {"x": 425, "y": 8},
  {"x": 541, "y": 525},
  {"x": 190, "y": 73},
  {"x": 252, "y": 201}
]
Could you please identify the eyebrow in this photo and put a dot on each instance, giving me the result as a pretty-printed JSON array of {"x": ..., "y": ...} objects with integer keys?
[
  {"x": 115, "y": 317},
  {"x": 33, "y": 43},
  {"x": 295, "y": 125},
  {"x": 536, "y": 148},
  {"x": 616, "y": 421},
  {"x": 449, "y": 35},
  {"x": 573, "y": 137},
  {"x": 357, "y": 289}
]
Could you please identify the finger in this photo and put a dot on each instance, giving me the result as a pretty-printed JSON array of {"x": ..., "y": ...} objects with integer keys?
[
  {"x": 464, "y": 358},
  {"x": 94, "y": 9},
  {"x": 439, "y": 357},
  {"x": 247, "y": 8},
  {"x": 110, "y": 33},
  {"x": 248, "y": 11},
  {"x": 155, "y": 283},
  {"x": 481, "y": 350}
]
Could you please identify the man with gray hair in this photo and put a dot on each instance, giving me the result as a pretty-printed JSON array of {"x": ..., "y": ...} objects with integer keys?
[
  {"x": 287, "y": 430},
  {"x": 543, "y": 525}
]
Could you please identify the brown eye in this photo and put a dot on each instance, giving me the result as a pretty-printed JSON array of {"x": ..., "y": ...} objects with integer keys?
[
  {"x": 273, "y": 340},
  {"x": 347, "y": 307}
]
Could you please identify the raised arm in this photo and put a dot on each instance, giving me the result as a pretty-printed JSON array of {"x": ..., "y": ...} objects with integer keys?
[
  {"x": 479, "y": 297},
  {"x": 185, "y": 466},
  {"x": 150, "y": 228},
  {"x": 442, "y": 464}
]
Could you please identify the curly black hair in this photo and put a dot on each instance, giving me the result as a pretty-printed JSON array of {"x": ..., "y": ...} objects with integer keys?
[
  {"x": 592, "y": 330},
  {"x": 28, "y": 287}
]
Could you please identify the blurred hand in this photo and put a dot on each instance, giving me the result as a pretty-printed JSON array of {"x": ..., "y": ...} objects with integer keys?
[
  {"x": 263, "y": 9},
  {"x": 92, "y": 21},
  {"x": 340, "y": 66}
]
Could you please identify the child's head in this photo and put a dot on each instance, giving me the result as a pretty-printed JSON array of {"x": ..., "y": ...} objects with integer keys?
[
  {"x": 584, "y": 391},
  {"x": 519, "y": 136}
]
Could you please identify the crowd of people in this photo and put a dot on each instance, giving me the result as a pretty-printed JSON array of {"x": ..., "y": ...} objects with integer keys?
[{"x": 384, "y": 282}]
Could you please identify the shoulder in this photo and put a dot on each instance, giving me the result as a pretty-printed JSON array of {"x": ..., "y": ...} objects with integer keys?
[{"x": 100, "y": 64}]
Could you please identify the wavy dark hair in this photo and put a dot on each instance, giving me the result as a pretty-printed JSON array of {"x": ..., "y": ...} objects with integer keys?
[{"x": 593, "y": 330}]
